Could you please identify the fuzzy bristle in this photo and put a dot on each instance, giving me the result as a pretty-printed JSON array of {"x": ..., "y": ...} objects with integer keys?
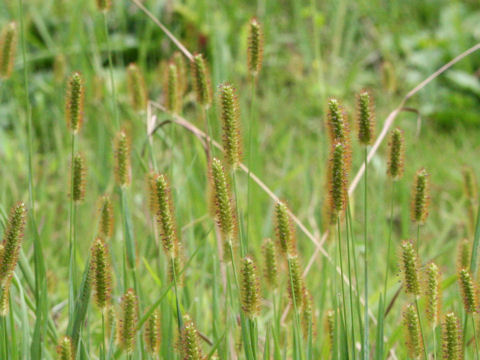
[
  {"x": 284, "y": 229},
  {"x": 451, "y": 338},
  {"x": 105, "y": 227},
  {"x": 5, "y": 298},
  {"x": 295, "y": 281},
  {"x": 330, "y": 330},
  {"x": 432, "y": 293},
  {"x": 337, "y": 180},
  {"x": 468, "y": 290},
  {"x": 337, "y": 124},
  {"x": 152, "y": 333},
  {"x": 136, "y": 87},
  {"x": 463, "y": 254},
  {"x": 8, "y": 44},
  {"x": 270, "y": 263},
  {"x": 122, "y": 159},
  {"x": 250, "y": 287},
  {"x": 128, "y": 321},
  {"x": 308, "y": 318},
  {"x": 365, "y": 118},
  {"x": 420, "y": 197},
  {"x": 189, "y": 340},
  {"x": 230, "y": 116},
  {"x": 101, "y": 272},
  {"x": 79, "y": 171},
  {"x": 65, "y": 349},
  {"x": 409, "y": 266},
  {"x": 412, "y": 332},
  {"x": 255, "y": 47},
  {"x": 75, "y": 102},
  {"x": 201, "y": 81},
  {"x": 396, "y": 154}
]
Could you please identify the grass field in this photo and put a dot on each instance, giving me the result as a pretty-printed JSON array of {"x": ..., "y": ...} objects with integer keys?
[{"x": 141, "y": 129}]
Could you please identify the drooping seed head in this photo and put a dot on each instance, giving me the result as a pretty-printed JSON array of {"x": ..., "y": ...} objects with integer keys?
[
  {"x": 74, "y": 102},
  {"x": 470, "y": 183},
  {"x": 330, "y": 329},
  {"x": 337, "y": 124},
  {"x": 104, "y": 5},
  {"x": 128, "y": 321},
  {"x": 396, "y": 154},
  {"x": 179, "y": 60},
  {"x": 105, "y": 227},
  {"x": 122, "y": 159},
  {"x": 463, "y": 257},
  {"x": 12, "y": 242},
  {"x": 412, "y": 332},
  {"x": 284, "y": 229},
  {"x": 79, "y": 171},
  {"x": 468, "y": 290},
  {"x": 172, "y": 89},
  {"x": 136, "y": 87},
  {"x": 270, "y": 263},
  {"x": 365, "y": 118},
  {"x": 432, "y": 293},
  {"x": 201, "y": 81},
  {"x": 295, "y": 281},
  {"x": 230, "y": 114},
  {"x": 420, "y": 197},
  {"x": 189, "y": 340},
  {"x": 337, "y": 179},
  {"x": 250, "y": 288},
  {"x": 8, "y": 46},
  {"x": 308, "y": 320},
  {"x": 409, "y": 267},
  {"x": 101, "y": 273},
  {"x": 451, "y": 338},
  {"x": 65, "y": 349},
  {"x": 152, "y": 333},
  {"x": 255, "y": 47},
  {"x": 165, "y": 214}
]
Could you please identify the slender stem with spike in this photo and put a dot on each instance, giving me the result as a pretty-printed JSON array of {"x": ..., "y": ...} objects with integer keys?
[{"x": 365, "y": 339}]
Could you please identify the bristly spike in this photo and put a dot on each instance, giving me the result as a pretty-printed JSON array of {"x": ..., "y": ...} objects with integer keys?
[
  {"x": 75, "y": 102},
  {"x": 172, "y": 89},
  {"x": 122, "y": 159},
  {"x": 102, "y": 273},
  {"x": 330, "y": 329},
  {"x": 189, "y": 341},
  {"x": 104, "y": 5},
  {"x": 65, "y": 349},
  {"x": 413, "y": 332},
  {"x": 451, "y": 338},
  {"x": 128, "y": 321},
  {"x": 308, "y": 318},
  {"x": 250, "y": 288},
  {"x": 12, "y": 241},
  {"x": 365, "y": 118},
  {"x": 8, "y": 44},
  {"x": 230, "y": 116},
  {"x": 469, "y": 291},
  {"x": 284, "y": 229},
  {"x": 463, "y": 255},
  {"x": 337, "y": 124},
  {"x": 270, "y": 263},
  {"x": 295, "y": 281},
  {"x": 255, "y": 47},
  {"x": 337, "y": 179},
  {"x": 201, "y": 80},
  {"x": 105, "y": 227},
  {"x": 152, "y": 333},
  {"x": 420, "y": 197},
  {"x": 136, "y": 87},
  {"x": 409, "y": 267},
  {"x": 396, "y": 154},
  {"x": 432, "y": 293},
  {"x": 79, "y": 171},
  {"x": 470, "y": 183}
]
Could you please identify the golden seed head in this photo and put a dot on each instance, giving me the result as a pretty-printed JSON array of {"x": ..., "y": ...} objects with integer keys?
[
  {"x": 451, "y": 338},
  {"x": 255, "y": 47},
  {"x": 432, "y": 293},
  {"x": 8, "y": 45},
  {"x": 101, "y": 272},
  {"x": 105, "y": 227},
  {"x": 152, "y": 333},
  {"x": 201, "y": 81},
  {"x": 230, "y": 114},
  {"x": 79, "y": 171},
  {"x": 409, "y": 267},
  {"x": 250, "y": 288},
  {"x": 284, "y": 229},
  {"x": 75, "y": 102},
  {"x": 412, "y": 332},
  {"x": 463, "y": 261},
  {"x": 189, "y": 340},
  {"x": 128, "y": 321},
  {"x": 337, "y": 179},
  {"x": 122, "y": 159},
  {"x": 295, "y": 282},
  {"x": 65, "y": 349},
  {"x": 270, "y": 263},
  {"x": 420, "y": 197},
  {"x": 365, "y": 118},
  {"x": 469, "y": 291},
  {"x": 396, "y": 154},
  {"x": 172, "y": 89},
  {"x": 136, "y": 87}
]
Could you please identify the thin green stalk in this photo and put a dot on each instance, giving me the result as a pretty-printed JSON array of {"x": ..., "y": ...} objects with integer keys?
[
  {"x": 366, "y": 337},
  {"x": 104, "y": 350},
  {"x": 71, "y": 261},
  {"x": 421, "y": 328},
  {"x": 110, "y": 68},
  {"x": 243, "y": 246},
  {"x": 475, "y": 338},
  {"x": 250, "y": 155},
  {"x": 350, "y": 287},
  {"x": 341, "y": 275},
  {"x": 389, "y": 244},
  {"x": 434, "y": 341},
  {"x": 179, "y": 316}
]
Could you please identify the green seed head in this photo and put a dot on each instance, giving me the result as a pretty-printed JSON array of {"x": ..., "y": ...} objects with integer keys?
[
  {"x": 105, "y": 227},
  {"x": 463, "y": 261},
  {"x": 172, "y": 89},
  {"x": 104, "y": 5},
  {"x": 337, "y": 179},
  {"x": 8, "y": 44},
  {"x": 409, "y": 266},
  {"x": 201, "y": 80},
  {"x": 74, "y": 102},
  {"x": 284, "y": 229},
  {"x": 330, "y": 329},
  {"x": 396, "y": 154},
  {"x": 136, "y": 87},
  {"x": 337, "y": 123},
  {"x": 5, "y": 298},
  {"x": 229, "y": 114},
  {"x": 12, "y": 241},
  {"x": 451, "y": 338},
  {"x": 365, "y": 118},
  {"x": 432, "y": 293},
  {"x": 152, "y": 333},
  {"x": 250, "y": 288},
  {"x": 421, "y": 197},
  {"x": 255, "y": 47},
  {"x": 65, "y": 349},
  {"x": 470, "y": 183},
  {"x": 270, "y": 263},
  {"x": 128, "y": 321},
  {"x": 295, "y": 283},
  {"x": 79, "y": 171},
  {"x": 412, "y": 332},
  {"x": 102, "y": 273},
  {"x": 122, "y": 159},
  {"x": 468, "y": 291},
  {"x": 189, "y": 341},
  {"x": 308, "y": 320}
]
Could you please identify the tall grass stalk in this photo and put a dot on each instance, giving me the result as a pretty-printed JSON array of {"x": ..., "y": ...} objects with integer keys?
[
  {"x": 72, "y": 284},
  {"x": 366, "y": 333},
  {"x": 421, "y": 327},
  {"x": 250, "y": 153},
  {"x": 344, "y": 306},
  {"x": 349, "y": 269}
]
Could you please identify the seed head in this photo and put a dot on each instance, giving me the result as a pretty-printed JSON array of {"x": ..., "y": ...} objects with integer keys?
[
  {"x": 365, "y": 118},
  {"x": 270, "y": 263},
  {"x": 330, "y": 329},
  {"x": 308, "y": 321},
  {"x": 255, "y": 47},
  {"x": 102, "y": 273},
  {"x": 65, "y": 349},
  {"x": 420, "y": 197},
  {"x": 79, "y": 171},
  {"x": 470, "y": 183},
  {"x": 12, "y": 241},
  {"x": 463, "y": 261},
  {"x": 432, "y": 293},
  {"x": 5, "y": 298},
  {"x": 104, "y": 5},
  {"x": 396, "y": 154},
  {"x": 337, "y": 123},
  {"x": 229, "y": 114},
  {"x": 128, "y": 321},
  {"x": 412, "y": 332},
  {"x": 8, "y": 45},
  {"x": 189, "y": 341},
  {"x": 136, "y": 87},
  {"x": 295, "y": 282},
  {"x": 74, "y": 102},
  {"x": 172, "y": 89},
  {"x": 105, "y": 227},
  {"x": 179, "y": 61},
  {"x": 337, "y": 179},
  {"x": 122, "y": 159},
  {"x": 152, "y": 333},
  {"x": 451, "y": 338},
  {"x": 201, "y": 81},
  {"x": 250, "y": 288},
  {"x": 409, "y": 267},
  {"x": 469, "y": 291},
  {"x": 284, "y": 229}
]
